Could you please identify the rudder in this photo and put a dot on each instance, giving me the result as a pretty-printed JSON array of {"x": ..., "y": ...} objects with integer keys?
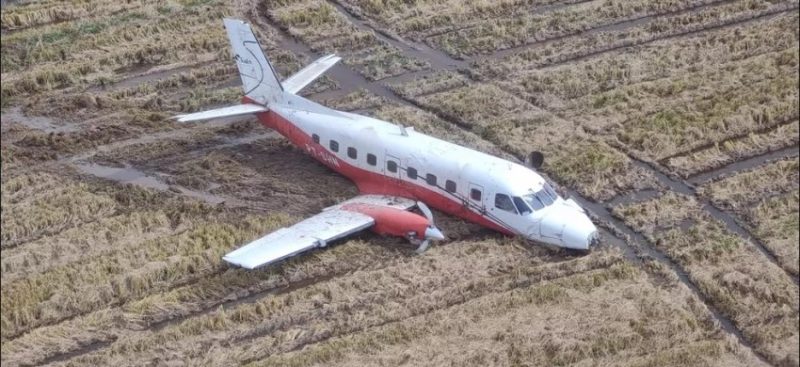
[{"x": 259, "y": 80}]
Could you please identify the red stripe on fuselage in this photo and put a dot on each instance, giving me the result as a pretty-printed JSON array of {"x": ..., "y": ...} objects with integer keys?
[{"x": 370, "y": 182}]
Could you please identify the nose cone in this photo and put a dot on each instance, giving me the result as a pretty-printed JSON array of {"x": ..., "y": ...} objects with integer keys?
[
  {"x": 433, "y": 233},
  {"x": 569, "y": 227},
  {"x": 581, "y": 239}
]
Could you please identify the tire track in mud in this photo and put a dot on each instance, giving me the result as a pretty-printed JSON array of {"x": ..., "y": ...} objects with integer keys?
[
  {"x": 633, "y": 22},
  {"x": 381, "y": 90},
  {"x": 619, "y": 228},
  {"x": 504, "y": 287},
  {"x": 724, "y": 216},
  {"x": 385, "y": 260},
  {"x": 633, "y": 197},
  {"x": 235, "y": 296},
  {"x": 156, "y": 326},
  {"x": 63, "y": 357},
  {"x": 701, "y": 28},
  {"x": 615, "y": 24},
  {"x": 760, "y": 131},
  {"x": 743, "y": 165},
  {"x": 538, "y": 9},
  {"x": 188, "y": 281}
]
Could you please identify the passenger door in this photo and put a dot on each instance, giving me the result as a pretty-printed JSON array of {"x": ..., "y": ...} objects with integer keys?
[{"x": 476, "y": 198}]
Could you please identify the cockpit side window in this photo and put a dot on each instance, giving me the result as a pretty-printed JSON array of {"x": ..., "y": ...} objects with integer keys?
[
  {"x": 549, "y": 189},
  {"x": 545, "y": 197},
  {"x": 521, "y": 206},
  {"x": 534, "y": 201},
  {"x": 502, "y": 201}
]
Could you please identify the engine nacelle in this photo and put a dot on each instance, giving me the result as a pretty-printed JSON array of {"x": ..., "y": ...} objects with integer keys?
[{"x": 392, "y": 221}]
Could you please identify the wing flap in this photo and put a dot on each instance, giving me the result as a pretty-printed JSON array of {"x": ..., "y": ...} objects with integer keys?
[
  {"x": 242, "y": 109},
  {"x": 303, "y": 236},
  {"x": 308, "y": 74},
  {"x": 388, "y": 201}
]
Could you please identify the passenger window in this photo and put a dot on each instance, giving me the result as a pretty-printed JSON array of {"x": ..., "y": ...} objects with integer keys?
[
  {"x": 521, "y": 206},
  {"x": 391, "y": 166},
  {"x": 334, "y": 145},
  {"x": 502, "y": 201},
  {"x": 315, "y": 138},
  {"x": 352, "y": 152},
  {"x": 431, "y": 178},
  {"x": 450, "y": 186},
  {"x": 372, "y": 159},
  {"x": 475, "y": 194},
  {"x": 412, "y": 173}
]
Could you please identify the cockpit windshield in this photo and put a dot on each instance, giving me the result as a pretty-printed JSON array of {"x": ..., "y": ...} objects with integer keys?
[{"x": 536, "y": 200}]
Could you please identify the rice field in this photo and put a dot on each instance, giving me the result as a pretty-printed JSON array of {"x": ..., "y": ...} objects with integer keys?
[{"x": 674, "y": 123}]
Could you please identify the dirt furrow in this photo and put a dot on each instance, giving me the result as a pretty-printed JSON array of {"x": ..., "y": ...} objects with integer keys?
[
  {"x": 536, "y": 9},
  {"x": 600, "y": 211},
  {"x": 582, "y": 55},
  {"x": 616, "y": 25},
  {"x": 632, "y": 197},
  {"x": 762, "y": 130},
  {"x": 453, "y": 302},
  {"x": 722, "y": 215},
  {"x": 226, "y": 302},
  {"x": 743, "y": 165}
]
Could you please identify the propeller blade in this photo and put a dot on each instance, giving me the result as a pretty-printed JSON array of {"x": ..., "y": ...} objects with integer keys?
[
  {"x": 423, "y": 246},
  {"x": 427, "y": 211}
]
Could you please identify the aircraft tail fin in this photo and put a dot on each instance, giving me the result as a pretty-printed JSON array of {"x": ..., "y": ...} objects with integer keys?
[{"x": 259, "y": 80}]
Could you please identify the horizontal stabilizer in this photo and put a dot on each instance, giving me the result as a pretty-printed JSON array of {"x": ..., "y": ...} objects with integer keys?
[
  {"x": 308, "y": 74},
  {"x": 242, "y": 109}
]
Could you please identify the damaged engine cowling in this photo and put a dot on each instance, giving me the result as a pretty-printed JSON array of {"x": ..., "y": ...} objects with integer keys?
[{"x": 396, "y": 222}]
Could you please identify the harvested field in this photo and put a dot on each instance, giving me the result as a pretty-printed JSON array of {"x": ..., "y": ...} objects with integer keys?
[{"x": 674, "y": 123}]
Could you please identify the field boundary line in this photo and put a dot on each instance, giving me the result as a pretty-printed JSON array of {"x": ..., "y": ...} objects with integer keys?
[
  {"x": 616, "y": 25},
  {"x": 724, "y": 321},
  {"x": 699, "y": 28},
  {"x": 747, "y": 164}
]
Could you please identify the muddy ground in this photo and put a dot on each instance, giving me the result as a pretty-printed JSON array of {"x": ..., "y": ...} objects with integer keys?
[{"x": 675, "y": 125}]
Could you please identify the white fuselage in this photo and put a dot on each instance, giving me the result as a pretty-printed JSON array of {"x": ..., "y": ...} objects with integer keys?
[{"x": 384, "y": 158}]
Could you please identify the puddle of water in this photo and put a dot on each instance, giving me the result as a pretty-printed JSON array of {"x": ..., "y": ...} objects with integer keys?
[
  {"x": 123, "y": 175},
  {"x": 130, "y": 175},
  {"x": 41, "y": 123}
]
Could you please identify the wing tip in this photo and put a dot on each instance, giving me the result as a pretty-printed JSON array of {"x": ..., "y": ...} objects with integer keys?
[{"x": 241, "y": 264}]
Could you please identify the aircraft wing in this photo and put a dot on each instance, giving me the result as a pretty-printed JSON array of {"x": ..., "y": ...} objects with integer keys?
[
  {"x": 308, "y": 74},
  {"x": 333, "y": 223}
]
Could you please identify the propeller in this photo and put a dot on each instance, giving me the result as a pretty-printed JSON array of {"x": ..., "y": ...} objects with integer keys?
[
  {"x": 426, "y": 211},
  {"x": 431, "y": 232},
  {"x": 422, "y": 247}
]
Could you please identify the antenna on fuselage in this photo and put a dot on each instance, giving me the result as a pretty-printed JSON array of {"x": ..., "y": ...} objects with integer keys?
[
  {"x": 404, "y": 130},
  {"x": 535, "y": 159}
]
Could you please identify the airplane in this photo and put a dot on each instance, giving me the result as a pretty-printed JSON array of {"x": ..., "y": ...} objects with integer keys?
[{"x": 395, "y": 169}]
